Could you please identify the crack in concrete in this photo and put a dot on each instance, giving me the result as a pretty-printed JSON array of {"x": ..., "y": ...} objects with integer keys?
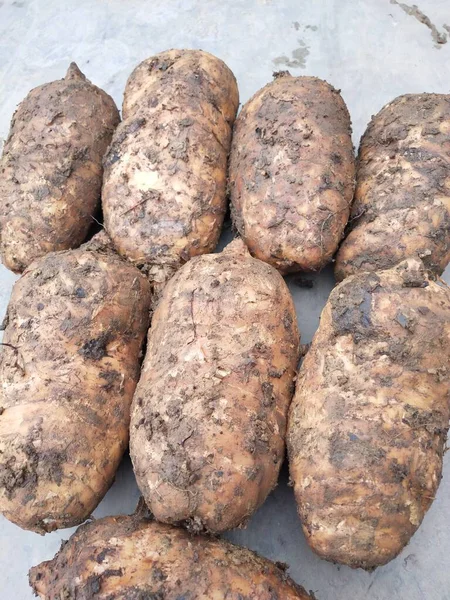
[{"x": 414, "y": 11}]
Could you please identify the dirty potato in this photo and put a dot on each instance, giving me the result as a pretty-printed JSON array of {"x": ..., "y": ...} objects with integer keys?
[
  {"x": 51, "y": 168},
  {"x": 368, "y": 423},
  {"x": 209, "y": 413},
  {"x": 402, "y": 200},
  {"x": 165, "y": 172},
  {"x": 292, "y": 173},
  {"x": 69, "y": 364},
  {"x": 130, "y": 558}
]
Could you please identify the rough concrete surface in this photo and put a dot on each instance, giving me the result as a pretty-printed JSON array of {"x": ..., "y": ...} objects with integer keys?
[{"x": 373, "y": 50}]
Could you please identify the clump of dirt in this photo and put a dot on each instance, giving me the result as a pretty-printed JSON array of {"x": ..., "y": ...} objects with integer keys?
[{"x": 414, "y": 11}]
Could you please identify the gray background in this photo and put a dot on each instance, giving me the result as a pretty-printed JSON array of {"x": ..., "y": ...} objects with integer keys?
[{"x": 373, "y": 50}]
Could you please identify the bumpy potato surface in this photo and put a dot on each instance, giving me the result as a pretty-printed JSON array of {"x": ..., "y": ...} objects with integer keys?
[
  {"x": 69, "y": 365},
  {"x": 51, "y": 168},
  {"x": 209, "y": 413},
  {"x": 369, "y": 419},
  {"x": 165, "y": 173},
  {"x": 127, "y": 558},
  {"x": 292, "y": 173},
  {"x": 402, "y": 200}
]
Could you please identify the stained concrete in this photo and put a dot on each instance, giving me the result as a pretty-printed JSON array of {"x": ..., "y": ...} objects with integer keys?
[{"x": 373, "y": 50}]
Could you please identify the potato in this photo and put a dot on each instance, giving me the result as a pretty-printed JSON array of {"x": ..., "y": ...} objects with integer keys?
[
  {"x": 292, "y": 172},
  {"x": 130, "y": 558},
  {"x": 51, "y": 168},
  {"x": 68, "y": 369},
  {"x": 402, "y": 200},
  {"x": 368, "y": 423},
  {"x": 165, "y": 172},
  {"x": 209, "y": 413}
]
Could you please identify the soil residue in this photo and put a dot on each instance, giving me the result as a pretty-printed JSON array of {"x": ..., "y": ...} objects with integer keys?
[
  {"x": 414, "y": 11},
  {"x": 298, "y": 59}
]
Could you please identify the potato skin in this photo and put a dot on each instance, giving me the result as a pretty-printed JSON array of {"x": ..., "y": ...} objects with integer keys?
[
  {"x": 402, "y": 200},
  {"x": 164, "y": 192},
  {"x": 128, "y": 558},
  {"x": 209, "y": 413},
  {"x": 68, "y": 369},
  {"x": 51, "y": 168},
  {"x": 292, "y": 171},
  {"x": 368, "y": 423}
]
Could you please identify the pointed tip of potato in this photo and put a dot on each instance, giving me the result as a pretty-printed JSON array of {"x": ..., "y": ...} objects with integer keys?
[
  {"x": 73, "y": 72},
  {"x": 237, "y": 246}
]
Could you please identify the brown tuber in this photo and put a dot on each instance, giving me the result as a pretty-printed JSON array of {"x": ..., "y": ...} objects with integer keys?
[
  {"x": 369, "y": 419},
  {"x": 209, "y": 413},
  {"x": 51, "y": 168},
  {"x": 130, "y": 558},
  {"x": 69, "y": 365},
  {"x": 402, "y": 200},
  {"x": 165, "y": 172},
  {"x": 292, "y": 173}
]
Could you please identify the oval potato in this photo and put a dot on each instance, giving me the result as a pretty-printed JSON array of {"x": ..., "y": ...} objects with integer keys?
[
  {"x": 402, "y": 200},
  {"x": 69, "y": 365},
  {"x": 164, "y": 191},
  {"x": 130, "y": 558},
  {"x": 292, "y": 173},
  {"x": 209, "y": 413},
  {"x": 369, "y": 419},
  {"x": 51, "y": 168}
]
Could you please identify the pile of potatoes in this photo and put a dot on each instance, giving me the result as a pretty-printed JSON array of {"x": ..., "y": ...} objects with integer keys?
[{"x": 142, "y": 337}]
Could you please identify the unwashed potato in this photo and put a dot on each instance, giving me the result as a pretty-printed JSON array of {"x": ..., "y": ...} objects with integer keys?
[
  {"x": 51, "y": 168},
  {"x": 368, "y": 423},
  {"x": 292, "y": 172},
  {"x": 130, "y": 558},
  {"x": 402, "y": 200},
  {"x": 165, "y": 173},
  {"x": 209, "y": 414},
  {"x": 69, "y": 365}
]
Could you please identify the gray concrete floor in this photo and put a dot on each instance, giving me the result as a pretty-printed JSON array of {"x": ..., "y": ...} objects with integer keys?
[{"x": 371, "y": 49}]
